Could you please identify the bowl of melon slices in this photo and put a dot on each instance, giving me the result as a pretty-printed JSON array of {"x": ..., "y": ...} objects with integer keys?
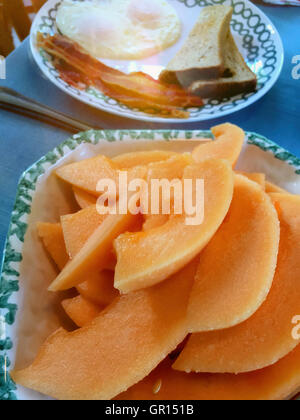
[{"x": 141, "y": 305}]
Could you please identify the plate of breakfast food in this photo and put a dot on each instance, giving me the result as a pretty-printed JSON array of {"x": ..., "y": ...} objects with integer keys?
[
  {"x": 120, "y": 306},
  {"x": 159, "y": 60}
]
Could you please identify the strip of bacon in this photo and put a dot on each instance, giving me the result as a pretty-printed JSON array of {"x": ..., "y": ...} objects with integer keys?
[
  {"x": 139, "y": 83},
  {"x": 148, "y": 106},
  {"x": 136, "y": 89},
  {"x": 79, "y": 81}
]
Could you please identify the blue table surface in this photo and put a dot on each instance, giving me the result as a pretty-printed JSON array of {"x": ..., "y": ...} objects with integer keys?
[{"x": 24, "y": 140}]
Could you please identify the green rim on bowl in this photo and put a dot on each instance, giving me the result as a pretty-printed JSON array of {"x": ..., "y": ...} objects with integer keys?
[{"x": 9, "y": 281}]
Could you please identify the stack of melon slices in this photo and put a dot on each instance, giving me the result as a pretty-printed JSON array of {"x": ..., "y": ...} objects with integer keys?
[{"x": 205, "y": 311}]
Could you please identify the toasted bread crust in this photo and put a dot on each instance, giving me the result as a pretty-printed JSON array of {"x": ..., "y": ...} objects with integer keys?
[
  {"x": 202, "y": 55},
  {"x": 242, "y": 79},
  {"x": 213, "y": 89},
  {"x": 184, "y": 77}
]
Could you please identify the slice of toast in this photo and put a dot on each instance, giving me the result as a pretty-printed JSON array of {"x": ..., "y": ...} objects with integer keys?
[
  {"x": 201, "y": 56},
  {"x": 237, "y": 78}
]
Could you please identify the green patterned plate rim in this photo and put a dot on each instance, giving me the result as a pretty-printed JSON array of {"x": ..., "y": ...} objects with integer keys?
[
  {"x": 9, "y": 280},
  {"x": 257, "y": 38}
]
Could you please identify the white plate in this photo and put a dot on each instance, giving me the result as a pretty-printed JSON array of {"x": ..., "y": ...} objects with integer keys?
[
  {"x": 255, "y": 34},
  {"x": 28, "y": 313}
]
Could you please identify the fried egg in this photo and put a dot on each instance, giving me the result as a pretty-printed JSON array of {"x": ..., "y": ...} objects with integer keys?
[{"x": 120, "y": 29}]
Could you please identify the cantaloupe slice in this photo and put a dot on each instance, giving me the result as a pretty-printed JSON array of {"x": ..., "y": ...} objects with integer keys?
[
  {"x": 95, "y": 253},
  {"x": 153, "y": 221},
  {"x": 53, "y": 240},
  {"x": 116, "y": 350},
  {"x": 170, "y": 169},
  {"x": 237, "y": 267},
  {"x": 228, "y": 144},
  {"x": 257, "y": 177},
  {"x": 267, "y": 336},
  {"x": 80, "y": 310},
  {"x": 83, "y": 198},
  {"x": 87, "y": 173},
  {"x": 99, "y": 288},
  {"x": 78, "y": 227},
  {"x": 146, "y": 258},
  {"x": 272, "y": 188},
  {"x": 278, "y": 382},
  {"x": 129, "y": 160}
]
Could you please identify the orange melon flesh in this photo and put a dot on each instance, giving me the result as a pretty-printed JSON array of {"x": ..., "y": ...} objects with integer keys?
[
  {"x": 80, "y": 310},
  {"x": 53, "y": 240},
  {"x": 278, "y": 382},
  {"x": 266, "y": 337},
  {"x": 146, "y": 258},
  {"x": 99, "y": 288},
  {"x": 153, "y": 221},
  {"x": 129, "y": 160},
  {"x": 78, "y": 227},
  {"x": 272, "y": 188},
  {"x": 257, "y": 177},
  {"x": 83, "y": 198},
  {"x": 95, "y": 253},
  {"x": 170, "y": 169},
  {"x": 228, "y": 144},
  {"x": 237, "y": 267},
  {"x": 87, "y": 173},
  {"x": 116, "y": 350}
]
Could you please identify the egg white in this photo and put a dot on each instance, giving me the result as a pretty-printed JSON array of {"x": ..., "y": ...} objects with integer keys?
[{"x": 120, "y": 29}]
